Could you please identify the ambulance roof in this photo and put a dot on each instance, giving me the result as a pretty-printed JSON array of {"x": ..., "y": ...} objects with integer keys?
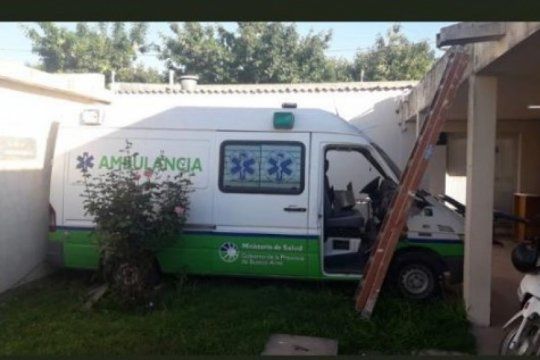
[{"x": 224, "y": 119}]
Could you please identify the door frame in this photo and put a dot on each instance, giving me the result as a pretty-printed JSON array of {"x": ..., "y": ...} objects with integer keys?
[{"x": 324, "y": 147}]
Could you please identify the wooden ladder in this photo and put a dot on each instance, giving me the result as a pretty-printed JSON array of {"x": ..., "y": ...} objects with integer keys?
[{"x": 397, "y": 214}]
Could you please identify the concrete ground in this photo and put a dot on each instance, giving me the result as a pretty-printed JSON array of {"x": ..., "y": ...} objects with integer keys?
[
  {"x": 294, "y": 345},
  {"x": 504, "y": 301}
]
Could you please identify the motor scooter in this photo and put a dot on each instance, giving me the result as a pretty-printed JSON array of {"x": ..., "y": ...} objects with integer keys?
[{"x": 523, "y": 329}]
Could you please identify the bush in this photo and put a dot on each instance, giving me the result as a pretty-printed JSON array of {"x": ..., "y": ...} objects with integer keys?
[{"x": 136, "y": 215}]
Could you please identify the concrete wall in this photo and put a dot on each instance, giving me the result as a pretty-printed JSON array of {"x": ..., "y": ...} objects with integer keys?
[
  {"x": 27, "y": 134},
  {"x": 529, "y": 166},
  {"x": 383, "y": 125},
  {"x": 347, "y": 104},
  {"x": 446, "y": 172},
  {"x": 526, "y": 176}
]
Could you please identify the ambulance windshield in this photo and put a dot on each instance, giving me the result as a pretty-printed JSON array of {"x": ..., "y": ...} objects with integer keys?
[{"x": 391, "y": 164}]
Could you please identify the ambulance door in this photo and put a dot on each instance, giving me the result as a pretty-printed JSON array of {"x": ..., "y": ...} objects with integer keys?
[{"x": 261, "y": 202}]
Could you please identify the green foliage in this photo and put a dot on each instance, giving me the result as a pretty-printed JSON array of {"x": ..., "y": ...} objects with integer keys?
[
  {"x": 276, "y": 53},
  {"x": 200, "y": 50},
  {"x": 394, "y": 57},
  {"x": 272, "y": 52},
  {"x": 338, "y": 70},
  {"x": 136, "y": 215},
  {"x": 140, "y": 74},
  {"x": 221, "y": 316},
  {"x": 103, "y": 48},
  {"x": 257, "y": 52}
]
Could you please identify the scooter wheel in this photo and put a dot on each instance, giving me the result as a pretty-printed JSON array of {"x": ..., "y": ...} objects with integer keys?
[{"x": 528, "y": 344}]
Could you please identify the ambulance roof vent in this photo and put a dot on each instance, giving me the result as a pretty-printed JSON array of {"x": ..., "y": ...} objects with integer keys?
[
  {"x": 189, "y": 82},
  {"x": 288, "y": 105}
]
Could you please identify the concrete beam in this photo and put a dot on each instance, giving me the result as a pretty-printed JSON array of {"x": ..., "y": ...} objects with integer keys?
[
  {"x": 423, "y": 93},
  {"x": 487, "y": 52},
  {"x": 469, "y": 32},
  {"x": 481, "y": 135},
  {"x": 481, "y": 55}
]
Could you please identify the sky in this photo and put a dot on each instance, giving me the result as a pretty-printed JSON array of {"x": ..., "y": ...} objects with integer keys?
[{"x": 347, "y": 37}]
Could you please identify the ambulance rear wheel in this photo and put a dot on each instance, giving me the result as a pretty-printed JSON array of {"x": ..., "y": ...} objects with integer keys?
[{"x": 416, "y": 276}]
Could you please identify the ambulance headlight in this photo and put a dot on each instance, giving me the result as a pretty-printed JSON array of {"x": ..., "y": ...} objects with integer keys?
[{"x": 91, "y": 117}]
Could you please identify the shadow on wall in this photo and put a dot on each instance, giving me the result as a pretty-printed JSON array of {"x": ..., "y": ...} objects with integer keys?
[{"x": 382, "y": 125}]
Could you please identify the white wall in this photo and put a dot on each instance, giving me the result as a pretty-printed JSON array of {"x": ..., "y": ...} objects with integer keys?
[
  {"x": 25, "y": 182},
  {"x": 347, "y": 104},
  {"x": 382, "y": 124},
  {"x": 456, "y": 170}
]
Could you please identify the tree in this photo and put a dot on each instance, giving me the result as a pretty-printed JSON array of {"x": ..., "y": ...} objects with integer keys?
[
  {"x": 265, "y": 53},
  {"x": 339, "y": 69},
  {"x": 276, "y": 53},
  {"x": 256, "y": 52},
  {"x": 140, "y": 74},
  {"x": 103, "y": 49},
  {"x": 394, "y": 57},
  {"x": 199, "y": 50}
]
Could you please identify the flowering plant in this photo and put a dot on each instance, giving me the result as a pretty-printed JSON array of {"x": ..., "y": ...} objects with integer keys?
[{"x": 136, "y": 217}]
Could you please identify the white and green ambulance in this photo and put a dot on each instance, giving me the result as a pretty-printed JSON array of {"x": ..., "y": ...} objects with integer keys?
[{"x": 286, "y": 192}]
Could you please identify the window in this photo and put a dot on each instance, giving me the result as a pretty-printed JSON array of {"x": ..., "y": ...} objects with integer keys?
[
  {"x": 351, "y": 165},
  {"x": 265, "y": 167}
]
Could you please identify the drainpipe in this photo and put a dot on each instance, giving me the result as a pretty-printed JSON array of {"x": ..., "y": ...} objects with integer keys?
[{"x": 171, "y": 77}]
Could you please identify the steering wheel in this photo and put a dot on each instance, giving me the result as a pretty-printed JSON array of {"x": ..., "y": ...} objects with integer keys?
[{"x": 372, "y": 186}]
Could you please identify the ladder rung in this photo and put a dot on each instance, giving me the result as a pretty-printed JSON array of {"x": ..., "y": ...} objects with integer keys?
[{"x": 396, "y": 215}]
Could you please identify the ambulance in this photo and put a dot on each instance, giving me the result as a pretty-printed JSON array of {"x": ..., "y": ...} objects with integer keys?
[{"x": 277, "y": 192}]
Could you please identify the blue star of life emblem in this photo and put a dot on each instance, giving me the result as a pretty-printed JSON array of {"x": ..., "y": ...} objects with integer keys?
[
  {"x": 279, "y": 166},
  {"x": 242, "y": 165},
  {"x": 85, "y": 162}
]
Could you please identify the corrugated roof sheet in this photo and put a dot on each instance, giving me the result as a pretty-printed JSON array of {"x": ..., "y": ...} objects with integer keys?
[{"x": 140, "y": 88}]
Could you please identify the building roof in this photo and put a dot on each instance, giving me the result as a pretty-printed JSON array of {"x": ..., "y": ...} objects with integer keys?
[
  {"x": 85, "y": 88},
  {"x": 223, "y": 119},
  {"x": 512, "y": 54},
  {"x": 141, "y": 88}
]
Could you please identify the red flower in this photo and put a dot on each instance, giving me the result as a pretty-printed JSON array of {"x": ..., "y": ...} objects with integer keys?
[
  {"x": 179, "y": 210},
  {"x": 148, "y": 173}
]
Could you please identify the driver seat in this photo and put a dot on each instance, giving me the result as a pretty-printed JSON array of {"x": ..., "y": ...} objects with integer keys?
[{"x": 344, "y": 217}]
